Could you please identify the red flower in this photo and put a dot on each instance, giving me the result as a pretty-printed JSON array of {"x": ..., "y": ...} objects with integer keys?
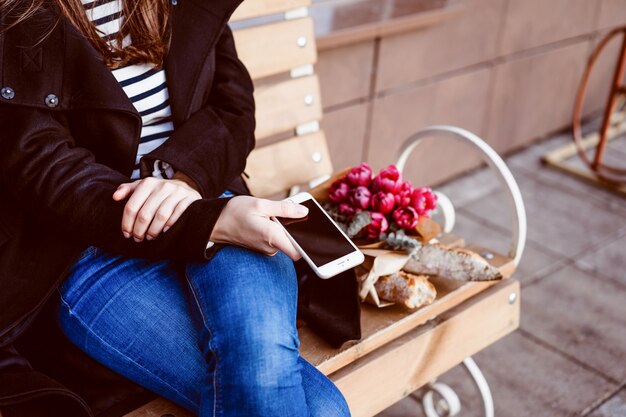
[
  {"x": 338, "y": 192},
  {"x": 361, "y": 175},
  {"x": 423, "y": 200},
  {"x": 360, "y": 198},
  {"x": 406, "y": 217},
  {"x": 403, "y": 196},
  {"x": 378, "y": 226},
  {"x": 347, "y": 210},
  {"x": 388, "y": 180},
  {"x": 383, "y": 202}
]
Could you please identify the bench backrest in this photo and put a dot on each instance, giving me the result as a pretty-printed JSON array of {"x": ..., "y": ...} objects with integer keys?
[{"x": 275, "y": 40}]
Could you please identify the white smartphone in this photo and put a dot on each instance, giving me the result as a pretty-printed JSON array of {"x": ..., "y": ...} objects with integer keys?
[{"x": 322, "y": 244}]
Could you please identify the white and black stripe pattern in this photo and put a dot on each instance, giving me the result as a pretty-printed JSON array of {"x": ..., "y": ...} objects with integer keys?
[{"x": 143, "y": 84}]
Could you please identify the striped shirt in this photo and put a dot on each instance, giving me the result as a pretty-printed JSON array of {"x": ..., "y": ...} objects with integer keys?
[{"x": 145, "y": 85}]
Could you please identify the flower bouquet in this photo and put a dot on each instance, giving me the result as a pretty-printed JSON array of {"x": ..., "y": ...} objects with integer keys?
[
  {"x": 389, "y": 220},
  {"x": 381, "y": 208}
]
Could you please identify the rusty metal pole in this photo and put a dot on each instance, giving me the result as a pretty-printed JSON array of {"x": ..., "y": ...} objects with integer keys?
[
  {"x": 601, "y": 170},
  {"x": 616, "y": 89}
]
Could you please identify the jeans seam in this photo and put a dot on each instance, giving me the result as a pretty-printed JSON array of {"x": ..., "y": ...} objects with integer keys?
[
  {"x": 89, "y": 330},
  {"x": 196, "y": 298},
  {"x": 91, "y": 250}
]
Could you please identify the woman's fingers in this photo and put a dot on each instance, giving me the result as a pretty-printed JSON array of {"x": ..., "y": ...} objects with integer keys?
[
  {"x": 167, "y": 214},
  {"x": 150, "y": 211},
  {"x": 284, "y": 208},
  {"x": 162, "y": 216},
  {"x": 133, "y": 207},
  {"x": 277, "y": 239},
  {"x": 124, "y": 190},
  {"x": 178, "y": 211},
  {"x": 245, "y": 221},
  {"x": 154, "y": 206}
]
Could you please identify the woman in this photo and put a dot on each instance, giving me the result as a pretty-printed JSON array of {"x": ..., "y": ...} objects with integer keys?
[{"x": 126, "y": 125}]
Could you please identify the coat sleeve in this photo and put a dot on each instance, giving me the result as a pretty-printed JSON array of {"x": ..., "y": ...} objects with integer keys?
[
  {"x": 211, "y": 147},
  {"x": 62, "y": 188}
]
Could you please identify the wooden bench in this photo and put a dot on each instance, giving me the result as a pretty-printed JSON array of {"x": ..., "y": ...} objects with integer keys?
[{"x": 399, "y": 351}]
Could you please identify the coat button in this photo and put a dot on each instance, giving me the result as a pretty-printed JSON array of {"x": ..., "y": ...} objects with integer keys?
[
  {"x": 7, "y": 93},
  {"x": 52, "y": 100}
]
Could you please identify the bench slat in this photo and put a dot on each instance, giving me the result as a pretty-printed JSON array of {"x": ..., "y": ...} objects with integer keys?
[
  {"x": 373, "y": 383},
  {"x": 159, "y": 408},
  {"x": 275, "y": 168},
  {"x": 272, "y": 49},
  {"x": 255, "y": 8},
  {"x": 283, "y": 106}
]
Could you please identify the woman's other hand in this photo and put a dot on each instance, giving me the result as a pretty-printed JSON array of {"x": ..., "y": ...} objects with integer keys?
[
  {"x": 245, "y": 221},
  {"x": 154, "y": 205}
]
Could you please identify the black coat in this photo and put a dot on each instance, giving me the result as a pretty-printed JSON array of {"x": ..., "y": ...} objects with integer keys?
[{"x": 68, "y": 138}]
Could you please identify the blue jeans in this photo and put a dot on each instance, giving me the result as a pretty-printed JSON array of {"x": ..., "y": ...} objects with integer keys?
[{"x": 218, "y": 338}]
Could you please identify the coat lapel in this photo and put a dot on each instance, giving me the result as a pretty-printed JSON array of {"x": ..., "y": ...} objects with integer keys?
[
  {"x": 87, "y": 78},
  {"x": 196, "y": 27}
]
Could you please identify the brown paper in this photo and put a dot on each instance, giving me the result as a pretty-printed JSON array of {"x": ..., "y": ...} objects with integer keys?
[{"x": 379, "y": 262}]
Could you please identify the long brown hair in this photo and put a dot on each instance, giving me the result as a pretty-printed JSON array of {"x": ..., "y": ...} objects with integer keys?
[{"x": 146, "y": 21}]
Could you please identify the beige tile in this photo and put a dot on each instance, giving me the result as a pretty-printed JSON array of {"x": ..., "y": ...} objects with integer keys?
[
  {"x": 530, "y": 380},
  {"x": 471, "y": 186},
  {"x": 407, "y": 407},
  {"x": 614, "y": 407},
  {"x": 582, "y": 315},
  {"x": 564, "y": 222},
  {"x": 345, "y": 133},
  {"x": 534, "y": 95},
  {"x": 612, "y": 13},
  {"x": 525, "y": 166},
  {"x": 469, "y": 39},
  {"x": 609, "y": 260},
  {"x": 459, "y": 101},
  {"x": 345, "y": 73},
  {"x": 531, "y": 23}
]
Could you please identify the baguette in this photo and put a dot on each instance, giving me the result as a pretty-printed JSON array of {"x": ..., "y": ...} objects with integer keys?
[
  {"x": 456, "y": 263},
  {"x": 411, "y": 291}
]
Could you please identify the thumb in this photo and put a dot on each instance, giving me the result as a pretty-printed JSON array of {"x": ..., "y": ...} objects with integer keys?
[{"x": 287, "y": 208}]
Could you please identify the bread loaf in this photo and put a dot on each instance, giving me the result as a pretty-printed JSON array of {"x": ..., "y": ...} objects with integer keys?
[
  {"x": 411, "y": 291},
  {"x": 453, "y": 263}
]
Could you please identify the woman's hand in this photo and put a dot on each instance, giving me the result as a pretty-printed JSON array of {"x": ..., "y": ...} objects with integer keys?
[
  {"x": 154, "y": 205},
  {"x": 245, "y": 221}
]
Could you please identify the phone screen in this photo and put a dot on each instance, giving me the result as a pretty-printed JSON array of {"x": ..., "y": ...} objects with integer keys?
[{"x": 317, "y": 235}]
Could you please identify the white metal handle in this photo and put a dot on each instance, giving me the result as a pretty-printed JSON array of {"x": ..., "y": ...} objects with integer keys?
[
  {"x": 481, "y": 383},
  {"x": 447, "y": 208},
  {"x": 448, "y": 402},
  {"x": 495, "y": 162}
]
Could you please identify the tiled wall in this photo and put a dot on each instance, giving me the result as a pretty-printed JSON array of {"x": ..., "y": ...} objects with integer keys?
[{"x": 507, "y": 70}]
